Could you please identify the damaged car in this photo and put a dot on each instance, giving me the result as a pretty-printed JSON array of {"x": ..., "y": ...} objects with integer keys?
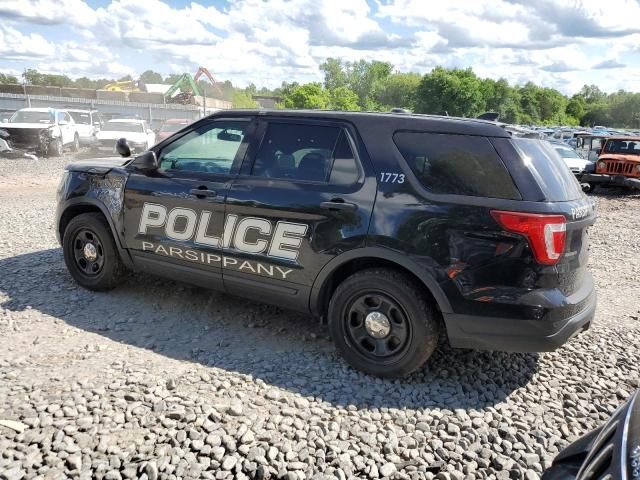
[{"x": 44, "y": 131}]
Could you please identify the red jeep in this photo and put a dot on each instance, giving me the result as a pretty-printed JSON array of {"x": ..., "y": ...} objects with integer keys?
[{"x": 618, "y": 163}]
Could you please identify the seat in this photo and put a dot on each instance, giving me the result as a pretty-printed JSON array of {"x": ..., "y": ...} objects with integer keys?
[{"x": 312, "y": 167}]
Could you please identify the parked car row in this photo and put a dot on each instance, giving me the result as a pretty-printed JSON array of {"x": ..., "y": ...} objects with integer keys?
[{"x": 48, "y": 132}]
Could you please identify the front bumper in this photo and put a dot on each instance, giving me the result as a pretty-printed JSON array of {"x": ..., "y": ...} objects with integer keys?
[
  {"x": 517, "y": 335},
  {"x": 602, "y": 178}
]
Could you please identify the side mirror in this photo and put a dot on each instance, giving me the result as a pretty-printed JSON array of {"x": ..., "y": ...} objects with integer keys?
[
  {"x": 147, "y": 162},
  {"x": 63, "y": 122},
  {"x": 5, "y": 120},
  {"x": 122, "y": 147}
]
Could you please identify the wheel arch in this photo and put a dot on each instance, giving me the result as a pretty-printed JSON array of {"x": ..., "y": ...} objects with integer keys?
[
  {"x": 88, "y": 205},
  {"x": 350, "y": 262}
]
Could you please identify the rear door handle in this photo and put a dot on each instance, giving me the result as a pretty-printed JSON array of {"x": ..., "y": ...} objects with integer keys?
[
  {"x": 339, "y": 205},
  {"x": 203, "y": 192}
]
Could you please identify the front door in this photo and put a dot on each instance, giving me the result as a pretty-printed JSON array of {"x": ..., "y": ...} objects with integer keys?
[
  {"x": 305, "y": 196},
  {"x": 174, "y": 217}
]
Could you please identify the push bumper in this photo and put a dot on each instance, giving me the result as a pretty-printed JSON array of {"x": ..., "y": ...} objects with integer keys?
[
  {"x": 601, "y": 178},
  {"x": 510, "y": 335}
]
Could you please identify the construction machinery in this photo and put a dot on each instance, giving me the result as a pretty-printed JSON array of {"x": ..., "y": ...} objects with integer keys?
[
  {"x": 125, "y": 86},
  {"x": 189, "y": 88}
]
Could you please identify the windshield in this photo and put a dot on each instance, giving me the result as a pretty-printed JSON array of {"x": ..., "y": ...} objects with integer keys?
[
  {"x": 627, "y": 147},
  {"x": 83, "y": 118},
  {"x": 566, "y": 152},
  {"x": 26, "y": 116},
  {"x": 554, "y": 178},
  {"x": 171, "y": 127},
  {"x": 123, "y": 127}
]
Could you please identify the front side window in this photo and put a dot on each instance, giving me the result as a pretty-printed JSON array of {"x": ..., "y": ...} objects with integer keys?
[
  {"x": 211, "y": 148},
  {"x": 456, "y": 164},
  {"x": 312, "y": 153},
  {"x": 81, "y": 118}
]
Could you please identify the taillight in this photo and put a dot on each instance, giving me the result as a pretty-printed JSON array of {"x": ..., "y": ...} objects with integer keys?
[{"x": 546, "y": 233}]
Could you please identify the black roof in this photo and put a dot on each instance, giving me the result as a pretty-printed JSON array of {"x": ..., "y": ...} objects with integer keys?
[{"x": 385, "y": 120}]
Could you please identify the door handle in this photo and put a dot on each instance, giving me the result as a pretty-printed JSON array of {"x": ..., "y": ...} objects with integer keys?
[
  {"x": 203, "y": 193},
  {"x": 339, "y": 204}
]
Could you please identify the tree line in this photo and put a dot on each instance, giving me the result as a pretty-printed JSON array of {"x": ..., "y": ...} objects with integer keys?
[{"x": 375, "y": 86}]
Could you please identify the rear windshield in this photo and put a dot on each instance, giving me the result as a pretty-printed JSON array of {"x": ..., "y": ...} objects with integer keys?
[
  {"x": 456, "y": 164},
  {"x": 549, "y": 170}
]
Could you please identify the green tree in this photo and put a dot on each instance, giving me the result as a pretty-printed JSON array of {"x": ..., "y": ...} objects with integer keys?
[
  {"x": 242, "y": 99},
  {"x": 343, "y": 98},
  {"x": 398, "y": 90},
  {"x": 529, "y": 103},
  {"x": 455, "y": 91},
  {"x": 5, "y": 78},
  {"x": 334, "y": 73},
  {"x": 33, "y": 77},
  {"x": 149, "y": 76},
  {"x": 309, "y": 95},
  {"x": 576, "y": 107},
  {"x": 592, "y": 94}
]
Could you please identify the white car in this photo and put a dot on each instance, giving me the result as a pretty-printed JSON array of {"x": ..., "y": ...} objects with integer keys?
[
  {"x": 575, "y": 162},
  {"x": 137, "y": 133},
  {"x": 88, "y": 123},
  {"x": 44, "y": 130}
]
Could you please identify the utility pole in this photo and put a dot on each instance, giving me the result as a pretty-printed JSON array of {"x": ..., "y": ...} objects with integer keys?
[
  {"x": 204, "y": 100},
  {"x": 24, "y": 87}
]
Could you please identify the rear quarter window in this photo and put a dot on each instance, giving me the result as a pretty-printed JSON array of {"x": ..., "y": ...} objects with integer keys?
[
  {"x": 456, "y": 164},
  {"x": 549, "y": 171}
]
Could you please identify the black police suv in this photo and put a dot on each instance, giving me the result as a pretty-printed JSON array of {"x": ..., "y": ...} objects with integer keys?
[
  {"x": 611, "y": 452},
  {"x": 391, "y": 227}
]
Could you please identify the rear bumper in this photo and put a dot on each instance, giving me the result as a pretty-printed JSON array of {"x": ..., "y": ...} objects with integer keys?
[
  {"x": 516, "y": 335},
  {"x": 601, "y": 178}
]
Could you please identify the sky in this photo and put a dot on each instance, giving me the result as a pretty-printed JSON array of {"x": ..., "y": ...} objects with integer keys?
[{"x": 563, "y": 44}]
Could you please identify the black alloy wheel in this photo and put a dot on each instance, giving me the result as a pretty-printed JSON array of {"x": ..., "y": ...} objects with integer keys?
[
  {"x": 88, "y": 252},
  {"x": 383, "y": 322},
  {"x": 377, "y": 326}
]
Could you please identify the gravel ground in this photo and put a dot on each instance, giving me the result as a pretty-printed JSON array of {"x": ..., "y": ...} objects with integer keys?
[{"x": 161, "y": 380}]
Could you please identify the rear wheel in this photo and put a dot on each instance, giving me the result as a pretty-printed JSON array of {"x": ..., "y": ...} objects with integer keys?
[
  {"x": 382, "y": 323},
  {"x": 90, "y": 252}
]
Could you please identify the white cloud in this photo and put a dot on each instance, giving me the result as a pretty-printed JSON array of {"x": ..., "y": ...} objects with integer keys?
[
  {"x": 15, "y": 45},
  {"x": 558, "y": 43},
  {"x": 49, "y": 12}
]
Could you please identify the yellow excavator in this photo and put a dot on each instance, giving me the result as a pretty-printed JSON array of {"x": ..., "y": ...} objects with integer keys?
[{"x": 125, "y": 86}]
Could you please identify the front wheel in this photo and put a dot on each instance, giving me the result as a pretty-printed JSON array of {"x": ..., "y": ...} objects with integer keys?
[
  {"x": 55, "y": 147},
  {"x": 90, "y": 252},
  {"x": 382, "y": 322}
]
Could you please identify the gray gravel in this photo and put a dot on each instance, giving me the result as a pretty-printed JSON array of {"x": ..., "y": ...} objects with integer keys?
[{"x": 160, "y": 380}]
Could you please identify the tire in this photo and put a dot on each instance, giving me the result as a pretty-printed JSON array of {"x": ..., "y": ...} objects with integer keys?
[
  {"x": 106, "y": 270},
  {"x": 358, "y": 331},
  {"x": 76, "y": 143},
  {"x": 55, "y": 148}
]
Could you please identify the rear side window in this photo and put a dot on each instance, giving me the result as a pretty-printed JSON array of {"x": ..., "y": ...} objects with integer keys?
[
  {"x": 312, "y": 153},
  {"x": 549, "y": 170},
  {"x": 456, "y": 164}
]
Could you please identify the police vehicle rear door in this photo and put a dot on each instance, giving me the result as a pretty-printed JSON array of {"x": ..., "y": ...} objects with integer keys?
[
  {"x": 304, "y": 195},
  {"x": 174, "y": 217}
]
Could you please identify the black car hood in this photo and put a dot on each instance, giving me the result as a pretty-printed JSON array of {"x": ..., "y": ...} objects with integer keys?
[{"x": 98, "y": 165}]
